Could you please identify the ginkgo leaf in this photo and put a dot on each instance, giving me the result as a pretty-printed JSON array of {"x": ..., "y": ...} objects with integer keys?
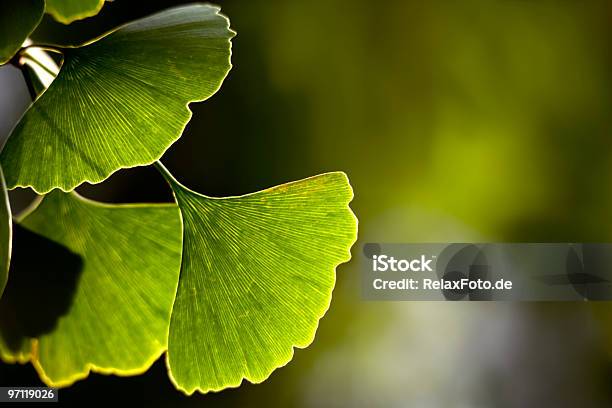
[
  {"x": 5, "y": 234},
  {"x": 119, "y": 101},
  {"x": 42, "y": 279},
  {"x": 106, "y": 310},
  {"x": 67, "y": 11},
  {"x": 17, "y": 21},
  {"x": 257, "y": 275}
]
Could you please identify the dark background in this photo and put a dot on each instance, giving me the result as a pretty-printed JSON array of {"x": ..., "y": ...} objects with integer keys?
[{"x": 455, "y": 121}]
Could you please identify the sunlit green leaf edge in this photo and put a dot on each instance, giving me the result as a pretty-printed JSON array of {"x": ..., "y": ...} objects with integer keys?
[
  {"x": 5, "y": 234},
  {"x": 157, "y": 155},
  {"x": 301, "y": 343},
  {"x": 23, "y": 356},
  {"x": 29, "y": 352},
  {"x": 62, "y": 17}
]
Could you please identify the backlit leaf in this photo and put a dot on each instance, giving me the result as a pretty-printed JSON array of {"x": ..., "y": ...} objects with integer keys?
[
  {"x": 67, "y": 11},
  {"x": 40, "y": 289},
  {"x": 120, "y": 101},
  {"x": 5, "y": 234},
  {"x": 100, "y": 298},
  {"x": 257, "y": 275}
]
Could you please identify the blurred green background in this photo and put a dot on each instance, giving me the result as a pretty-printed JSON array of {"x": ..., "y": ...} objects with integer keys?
[{"x": 455, "y": 121}]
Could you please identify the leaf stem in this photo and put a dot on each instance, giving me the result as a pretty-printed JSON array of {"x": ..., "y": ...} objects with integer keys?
[
  {"x": 43, "y": 47},
  {"x": 27, "y": 76},
  {"x": 16, "y": 61},
  {"x": 30, "y": 58},
  {"x": 166, "y": 174},
  {"x": 21, "y": 60}
]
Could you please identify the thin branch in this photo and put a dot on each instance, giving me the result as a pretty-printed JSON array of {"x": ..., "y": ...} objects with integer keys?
[
  {"x": 27, "y": 76},
  {"x": 40, "y": 64},
  {"x": 166, "y": 174},
  {"x": 44, "y": 47}
]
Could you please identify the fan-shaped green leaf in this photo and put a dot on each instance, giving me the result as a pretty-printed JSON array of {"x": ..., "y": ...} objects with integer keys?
[
  {"x": 67, "y": 11},
  {"x": 257, "y": 275},
  {"x": 5, "y": 234},
  {"x": 113, "y": 307},
  {"x": 120, "y": 101},
  {"x": 41, "y": 282},
  {"x": 17, "y": 21}
]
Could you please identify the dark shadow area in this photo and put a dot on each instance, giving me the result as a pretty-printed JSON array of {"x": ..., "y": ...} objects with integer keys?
[
  {"x": 42, "y": 281},
  {"x": 135, "y": 185},
  {"x": 151, "y": 389}
]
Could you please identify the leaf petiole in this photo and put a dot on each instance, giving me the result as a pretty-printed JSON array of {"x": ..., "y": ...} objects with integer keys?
[
  {"x": 27, "y": 76},
  {"x": 166, "y": 174},
  {"x": 30, "y": 58}
]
